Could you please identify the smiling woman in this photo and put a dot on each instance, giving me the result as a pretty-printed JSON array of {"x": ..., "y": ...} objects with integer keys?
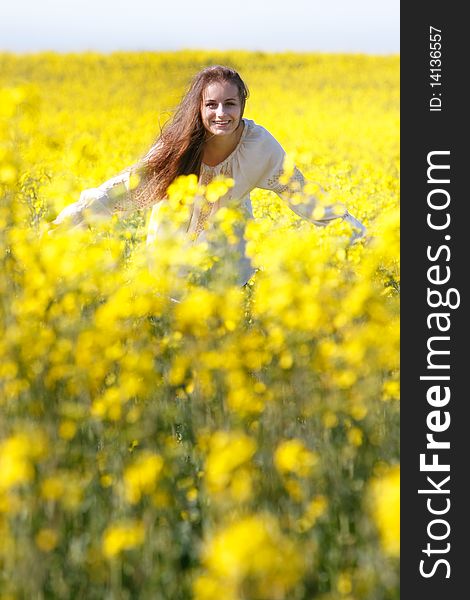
[{"x": 207, "y": 137}]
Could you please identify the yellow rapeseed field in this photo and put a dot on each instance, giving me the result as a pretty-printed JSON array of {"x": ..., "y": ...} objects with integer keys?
[{"x": 241, "y": 444}]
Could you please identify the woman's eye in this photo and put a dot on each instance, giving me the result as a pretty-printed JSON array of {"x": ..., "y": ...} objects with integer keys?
[{"x": 214, "y": 105}]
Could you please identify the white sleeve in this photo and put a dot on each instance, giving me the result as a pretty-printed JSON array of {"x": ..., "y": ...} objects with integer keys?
[
  {"x": 274, "y": 154},
  {"x": 99, "y": 203},
  {"x": 358, "y": 228},
  {"x": 310, "y": 208}
]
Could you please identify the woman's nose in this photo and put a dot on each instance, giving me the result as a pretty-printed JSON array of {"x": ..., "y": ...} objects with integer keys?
[{"x": 220, "y": 110}]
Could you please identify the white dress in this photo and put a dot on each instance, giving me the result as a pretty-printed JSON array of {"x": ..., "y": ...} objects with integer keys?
[{"x": 256, "y": 162}]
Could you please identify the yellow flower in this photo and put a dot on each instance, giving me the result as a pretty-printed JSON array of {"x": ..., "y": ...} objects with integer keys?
[
  {"x": 53, "y": 488},
  {"x": 207, "y": 587},
  {"x": 329, "y": 419},
  {"x": 391, "y": 390},
  {"x": 218, "y": 187},
  {"x": 315, "y": 509},
  {"x": 253, "y": 549},
  {"x": 46, "y": 539},
  {"x": 17, "y": 456},
  {"x": 344, "y": 584},
  {"x": 122, "y": 536},
  {"x": 193, "y": 314},
  {"x": 228, "y": 451},
  {"x": 66, "y": 487},
  {"x": 292, "y": 456},
  {"x": 8, "y": 173},
  {"x": 384, "y": 498},
  {"x": 355, "y": 436},
  {"x": 141, "y": 477},
  {"x": 67, "y": 429}
]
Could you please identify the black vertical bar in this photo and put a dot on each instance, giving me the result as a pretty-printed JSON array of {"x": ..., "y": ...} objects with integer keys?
[{"x": 434, "y": 118}]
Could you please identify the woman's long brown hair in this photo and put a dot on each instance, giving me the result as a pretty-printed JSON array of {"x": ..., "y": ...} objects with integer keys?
[{"x": 178, "y": 148}]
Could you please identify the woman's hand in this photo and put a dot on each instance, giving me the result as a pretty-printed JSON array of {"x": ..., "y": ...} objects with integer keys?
[{"x": 359, "y": 230}]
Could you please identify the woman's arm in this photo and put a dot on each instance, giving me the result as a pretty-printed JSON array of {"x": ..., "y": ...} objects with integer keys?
[
  {"x": 100, "y": 203},
  {"x": 359, "y": 230},
  {"x": 321, "y": 214},
  {"x": 315, "y": 212},
  {"x": 309, "y": 207},
  {"x": 114, "y": 195}
]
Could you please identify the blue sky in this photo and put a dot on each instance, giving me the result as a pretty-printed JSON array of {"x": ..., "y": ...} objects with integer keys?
[{"x": 370, "y": 26}]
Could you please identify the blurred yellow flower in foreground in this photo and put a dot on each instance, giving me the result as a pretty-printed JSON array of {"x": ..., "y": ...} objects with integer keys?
[
  {"x": 141, "y": 477},
  {"x": 122, "y": 536},
  {"x": 218, "y": 187},
  {"x": 46, "y": 539},
  {"x": 228, "y": 463},
  {"x": 385, "y": 507},
  {"x": 250, "y": 554},
  {"x": 292, "y": 456},
  {"x": 17, "y": 456}
]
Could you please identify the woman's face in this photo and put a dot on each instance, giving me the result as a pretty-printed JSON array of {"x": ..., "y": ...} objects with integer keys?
[{"x": 221, "y": 109}]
